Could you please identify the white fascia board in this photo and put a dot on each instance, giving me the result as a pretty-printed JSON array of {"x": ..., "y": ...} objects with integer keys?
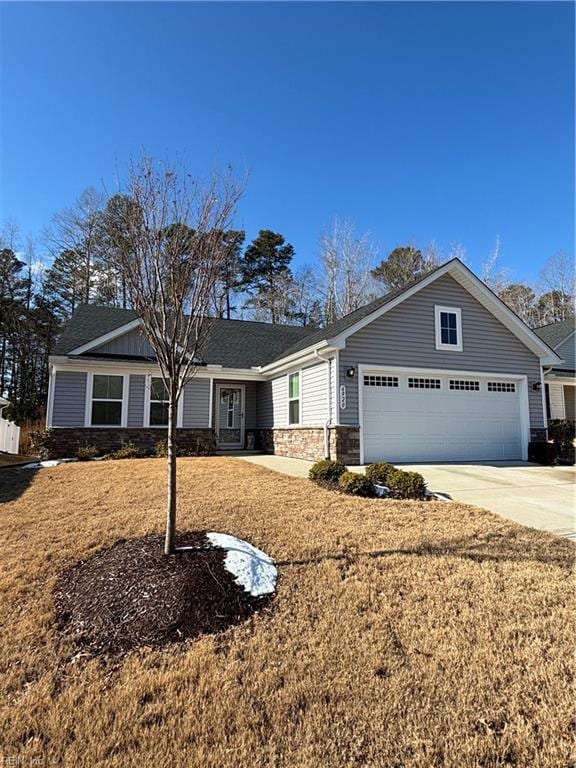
[
  {"x": 295, "y": 360},
  {"x": 476, "y": 288},
  {"x": 98, "y": 342},
  {"x": 63, "y": 363}
]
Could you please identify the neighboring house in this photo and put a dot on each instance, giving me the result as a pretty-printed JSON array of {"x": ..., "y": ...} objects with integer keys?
[
  {"x": 561, "y": 378},
  {"x": 441, "y": 370}
]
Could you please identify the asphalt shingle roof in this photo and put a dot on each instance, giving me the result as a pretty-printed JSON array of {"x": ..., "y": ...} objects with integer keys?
[
  {"x": 555, "y": 333},
  {"x": 233, "y": 343}
]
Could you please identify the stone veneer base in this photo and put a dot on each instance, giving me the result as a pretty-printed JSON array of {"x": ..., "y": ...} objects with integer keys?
[
  {"x": 308, "y": 443},
  {"x": 65, "y": 441}
]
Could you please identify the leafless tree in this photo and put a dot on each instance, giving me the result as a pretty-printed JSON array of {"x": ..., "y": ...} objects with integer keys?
[
  {"x": 557, "y": 288},
  {"x": 346, "y": 259},
  {"x": 176, "y": 256},
  {"x": 77, "y": 230},
  {"x": 495, "y": 276}
]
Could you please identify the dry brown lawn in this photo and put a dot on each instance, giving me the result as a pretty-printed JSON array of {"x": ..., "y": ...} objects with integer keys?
[{"x": 403, "y": 634}]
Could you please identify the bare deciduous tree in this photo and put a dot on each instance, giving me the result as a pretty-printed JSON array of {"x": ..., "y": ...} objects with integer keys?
[
  {"x": 174, "y": 225},
  {"x": 557, "y": 285},
  {"x": 346, "y": 259}
]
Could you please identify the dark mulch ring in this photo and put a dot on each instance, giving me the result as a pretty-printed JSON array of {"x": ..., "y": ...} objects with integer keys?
[{"x": 132, "y": 595}]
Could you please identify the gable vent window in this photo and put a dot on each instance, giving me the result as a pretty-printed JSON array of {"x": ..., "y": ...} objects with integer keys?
[
  {"x": 448, "y": 328},
  {"x": 380, "y": 381},
  {"x": 501, "y": 386},
  {"x": 414, "y": 383},
  {"x": 463, "y": 385}
]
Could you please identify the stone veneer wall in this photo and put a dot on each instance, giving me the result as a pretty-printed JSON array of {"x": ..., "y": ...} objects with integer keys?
[
  {"x": 64, "y": 442},
  {"x": 308, "y": 443}
]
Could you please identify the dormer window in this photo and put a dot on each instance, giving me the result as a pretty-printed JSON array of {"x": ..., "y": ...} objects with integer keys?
[{"x": 448, "y": 321}]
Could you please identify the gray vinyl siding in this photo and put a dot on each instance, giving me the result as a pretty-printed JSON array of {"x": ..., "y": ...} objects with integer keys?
[
  {"x": 196, "y": 404},
  {"x": 272, "y": 403},
  {"x": 314, "y": 395},
  {"x": 405, "y": 336},
  {"x": 131, "y": 344},
  {"x": 69, "y": 407},
  {"x": 567, "y": 351},
  {"x": 137, "y": 383},
  {"x": 272, "y": 399}
]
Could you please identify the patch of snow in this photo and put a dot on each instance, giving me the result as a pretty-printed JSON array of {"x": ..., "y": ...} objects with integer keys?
[
  {"x": 46, "y": 464},
  {"x": 381, "y": 490},
  {"x": 253, "y": 569}
]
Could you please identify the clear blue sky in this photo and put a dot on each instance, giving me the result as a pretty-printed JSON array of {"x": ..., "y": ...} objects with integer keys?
[{"x": 447, "y": 121}]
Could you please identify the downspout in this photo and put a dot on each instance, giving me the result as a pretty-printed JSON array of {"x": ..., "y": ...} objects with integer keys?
[{"x": 329, "y": 419}]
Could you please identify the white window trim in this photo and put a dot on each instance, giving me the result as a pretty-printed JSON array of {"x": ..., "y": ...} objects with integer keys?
[
  {"x": 147, "y": 399},
  {"x": 290, "y": 399},
  {"x": 438, "y": 331},
  {"x": 89, "y": 391}
]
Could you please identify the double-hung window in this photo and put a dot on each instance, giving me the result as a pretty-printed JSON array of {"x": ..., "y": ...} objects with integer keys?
[
  {"x": 294, "y": 398},
  {"x": 448, "y": 328},
  {"x": 107, "y": 395},
  {"x": 158, "y": 402}
]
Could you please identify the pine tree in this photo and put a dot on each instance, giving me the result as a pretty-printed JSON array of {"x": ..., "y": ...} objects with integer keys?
[{"x": 265, "y": 261}]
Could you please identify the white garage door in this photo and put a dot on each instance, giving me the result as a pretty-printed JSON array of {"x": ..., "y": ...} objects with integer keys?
[{"x": 428, "y": 417}]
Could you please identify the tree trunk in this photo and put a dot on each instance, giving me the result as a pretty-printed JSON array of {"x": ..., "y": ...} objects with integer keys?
[{"x": 171, "y": 506}]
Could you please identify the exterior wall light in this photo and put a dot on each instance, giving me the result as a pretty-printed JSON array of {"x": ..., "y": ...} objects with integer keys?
[
  {"x": 537, "y": 386},
  {"x": 350, "y": 372}
]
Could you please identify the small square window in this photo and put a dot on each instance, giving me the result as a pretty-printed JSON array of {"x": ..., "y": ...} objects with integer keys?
[{"x": 448, "y": 328}]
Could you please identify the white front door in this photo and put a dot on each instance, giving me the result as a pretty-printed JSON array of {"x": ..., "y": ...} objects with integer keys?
[
  {"x": 230, "y": 416},
  {"x": 428, "y": 417}
]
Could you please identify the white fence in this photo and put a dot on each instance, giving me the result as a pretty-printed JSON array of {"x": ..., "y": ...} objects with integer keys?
[{"x": 9, "y": 436}]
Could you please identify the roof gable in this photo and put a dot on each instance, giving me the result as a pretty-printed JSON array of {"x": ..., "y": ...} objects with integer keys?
[
  {"x": 95, "y": 329},
  {"x": 337, "y": 333}
]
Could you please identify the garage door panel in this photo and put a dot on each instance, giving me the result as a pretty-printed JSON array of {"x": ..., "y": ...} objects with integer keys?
[{"x": 417, "y": 424}]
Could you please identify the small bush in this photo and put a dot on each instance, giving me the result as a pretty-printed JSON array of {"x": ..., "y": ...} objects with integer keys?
[
  {"x": 356, "y": 485},
  {"x": 86, "y": 452},
  {"x": 562, "y": 433},
  {"x": 161, "y": 449},
  {"x": 128, "y": 451},
  {"x": 379, "y": 471},
  {"x": 326, "y": 471},
  {"x": 41, "y": 442},
  {"x": 406, "y": 485}
]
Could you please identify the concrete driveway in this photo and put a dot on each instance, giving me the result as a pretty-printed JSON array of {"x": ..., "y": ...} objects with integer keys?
[{"x": 540, "y": 497}]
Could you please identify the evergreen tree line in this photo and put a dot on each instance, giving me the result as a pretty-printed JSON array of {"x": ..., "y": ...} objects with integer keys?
[{"x": 79, "y": 260}]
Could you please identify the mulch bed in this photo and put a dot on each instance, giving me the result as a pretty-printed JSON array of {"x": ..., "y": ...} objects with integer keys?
[{"x": 132, "y": 595}]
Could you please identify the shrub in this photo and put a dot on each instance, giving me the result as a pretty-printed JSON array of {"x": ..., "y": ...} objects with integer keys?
[
  {"x": 406, "y": 485},
  {"x": 356, "y": 485},
  {"x": 161, "y": 448},
  {"x": 326, "y": 471},
  {"x": 86, "y": 452},
  {"x": 42, "y": 443},
  {"x": 379, "y": 471},
  {"x": 128, "y": 451},
  {"x": 562, "y": 433}
]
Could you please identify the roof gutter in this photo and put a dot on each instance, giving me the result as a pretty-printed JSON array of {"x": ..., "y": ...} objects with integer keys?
[{"x": 296, "y": 358}]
